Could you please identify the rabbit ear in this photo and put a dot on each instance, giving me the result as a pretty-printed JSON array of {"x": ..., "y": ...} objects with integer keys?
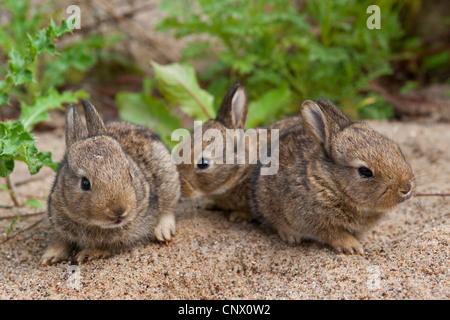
[
  {"x": 234, "y": 108},
  {"x": 94, "y": 122},
  {"x": 334, "y": 112},
  {"x": 322, "y": 120},
  {"x": 314, "y": 120},
  {"x": 75, "y": 129}
]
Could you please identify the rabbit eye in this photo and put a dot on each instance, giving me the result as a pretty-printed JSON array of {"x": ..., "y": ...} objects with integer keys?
[
  {"x": 85, "y": 184},
  {"x": 203, "y": 164},
  {"x": 365, "y": 172},
  {"x": 131, "y": 177}
]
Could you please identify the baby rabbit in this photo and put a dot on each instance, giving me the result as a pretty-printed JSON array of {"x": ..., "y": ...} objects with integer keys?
[
  {"x": 116, "y": 187},
  {"x": 226, "y": 184},
  {"x": 336, "y": 179}
]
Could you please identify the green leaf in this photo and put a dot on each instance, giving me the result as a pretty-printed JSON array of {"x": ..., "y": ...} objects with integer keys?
[
  {"x": 22, "y": 76},
  {"x": 18, "y": 68},
  {"x": 4, "y": 98},
  {"x": 10, "y": 228},
  {"x": 36, "y": 45},
  {"x": 60, "y": 30},
  {"x": 178, "y": 84},
  {"x": 41, "y": 43},
  {"x": 148, "y": 111},
  {"x": 77, "y": 56},
  {"x": 13, "y": 136},
  {"x": 17, "y": 144},
  {"x": 33, "y": 203},
  {"x": 38, "y": 111},
  {"x": 268, "y": 105},
  {"x": 45, "y": 159},
  {"x": 16, "y": 61},
  {"x": 6, "y": 165},
  {"x": 265, "y": 43},
  {"x": 438, "y": 60}
]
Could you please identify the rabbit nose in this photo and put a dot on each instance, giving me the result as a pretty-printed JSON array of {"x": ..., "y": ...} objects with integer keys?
[
  {"x": 406, "y": 189},
  {"x": 118, "y": 211}
]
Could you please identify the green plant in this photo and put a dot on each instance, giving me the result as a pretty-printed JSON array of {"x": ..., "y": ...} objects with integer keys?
[
  {"x": 182, "y": 98},
  {"x": 321, "y": 50},
  {"x": 25, "y": 55},
  {"x": 178, "y": 84}
]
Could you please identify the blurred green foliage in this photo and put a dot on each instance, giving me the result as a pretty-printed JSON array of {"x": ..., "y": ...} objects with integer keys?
[
  {"x": 323, "y": 49},
  {"x": 30, "y": 76},
  {"x": 17, "y": 143},
  {"x": 283, "y": 54},
  {"x": 179, "y": 86},
  {"x": 145, "y": 109}
]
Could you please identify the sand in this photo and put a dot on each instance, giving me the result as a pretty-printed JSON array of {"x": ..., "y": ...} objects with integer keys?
[{"x": 406, "y": 255}]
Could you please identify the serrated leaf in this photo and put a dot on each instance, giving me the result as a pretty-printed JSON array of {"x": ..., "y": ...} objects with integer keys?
[
  {"x": 38, "y": 111},
  {"x": 18, "y": 71},
  {"x": 63, "y": 28},
  {"x": 41, "y": 43},
  {"x": 178, "y": 84},
  {"x": 46, "y": 160},
  {"x": 13, "y": 136},
  {"x": 17, "y": 144},
  {"x": 21, "y": 77},
  {"x": 26, "y": 153},
  {"x": 6, "y": 165},
  {"x": 37, "y": 44},
  {"x": 54, "y": 31}
]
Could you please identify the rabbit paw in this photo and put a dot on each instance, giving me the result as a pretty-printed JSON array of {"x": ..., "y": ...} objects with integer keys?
[
  {"x": 290, "y": 237},
  {"x": 92, "y": 253},
  {"x": 165, "y": 228},
  {"x": 347, "y": 244},
  {"x": 238, "y": 216},
  {"x": 55, "y": 252}
]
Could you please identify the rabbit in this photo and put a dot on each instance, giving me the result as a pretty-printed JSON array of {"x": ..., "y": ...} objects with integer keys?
[
  {"x": 116, "y": 187},
  {"x": 336, "y": 179},
  {"x": 227, "y": 185}
]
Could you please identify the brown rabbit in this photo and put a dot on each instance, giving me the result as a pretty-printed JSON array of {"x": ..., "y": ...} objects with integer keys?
[
  {"x": 336, "y": 179},
  {"x": 226, "y": 184},
  {"x": 116, "y": 187}
]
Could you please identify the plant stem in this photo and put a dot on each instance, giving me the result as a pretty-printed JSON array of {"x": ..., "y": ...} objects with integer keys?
[
  {"x": 12, "y": 191},
  {"x": 26, "y": 215},
  {"x": 21, "y": 231}
]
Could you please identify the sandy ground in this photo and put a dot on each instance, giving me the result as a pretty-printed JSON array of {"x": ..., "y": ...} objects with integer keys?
[{"x": 407, "y": 254}]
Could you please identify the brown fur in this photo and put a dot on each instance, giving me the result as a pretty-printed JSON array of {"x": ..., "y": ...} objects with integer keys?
[
  {"x": 318, "y": 192},
  {"x": 132, "y": 180},
  {"x": 228, "y": 185}
]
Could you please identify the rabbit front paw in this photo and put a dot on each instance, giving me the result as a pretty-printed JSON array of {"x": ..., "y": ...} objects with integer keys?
[
  {"x": 91, "y": 254},
  {"x": 165, "y": 228},
  {"x": 290, "y": 237},
  {"x": 55, "y": 252},
  {"x": 347, "y": 244}
]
